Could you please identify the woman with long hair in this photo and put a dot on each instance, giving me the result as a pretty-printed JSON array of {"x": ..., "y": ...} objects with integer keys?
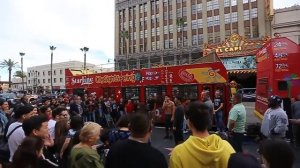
[{"x": 30, "y": 154}]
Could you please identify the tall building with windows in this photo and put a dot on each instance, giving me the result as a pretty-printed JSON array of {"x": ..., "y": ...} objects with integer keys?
[{"x": 172, "y": 32}]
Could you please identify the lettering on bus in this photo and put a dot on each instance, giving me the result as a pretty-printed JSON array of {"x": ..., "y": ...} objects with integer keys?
[
  {"x": 281, "y": 56},
  {"x": 83, "y": 81},
  {"x": 281, "y": 67},
  {"x": 108, "y": 79}
]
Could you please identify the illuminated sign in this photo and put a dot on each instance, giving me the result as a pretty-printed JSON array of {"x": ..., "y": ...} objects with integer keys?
[{"x": 235, "y": 46}]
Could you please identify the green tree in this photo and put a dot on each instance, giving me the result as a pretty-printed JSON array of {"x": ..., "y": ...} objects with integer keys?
[
  {"x": 9, "y": 64},
  {"x": 20, "y": 74},
  {"x": 125, "y": 36}
]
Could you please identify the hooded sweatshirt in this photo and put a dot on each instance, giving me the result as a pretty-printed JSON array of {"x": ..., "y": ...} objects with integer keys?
[{"x": 208, "y": 152}]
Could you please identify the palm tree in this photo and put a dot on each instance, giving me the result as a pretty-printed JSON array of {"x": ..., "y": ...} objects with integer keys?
[
  {"x": 9, "y": 64},
  {"x": 20, "y": 74},
  {"x": 180, "y": 23},
  {"x": 125, "y": 36}
]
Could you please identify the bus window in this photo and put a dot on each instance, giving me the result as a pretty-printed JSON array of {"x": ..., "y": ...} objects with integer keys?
[
  {"x": 155, "y": 91},
  {"x": 282, "y": 85},
  {"x": 108, "y": 92},
  {"x": 131, "y": 93},
  {"x": 186, "y": 91}
]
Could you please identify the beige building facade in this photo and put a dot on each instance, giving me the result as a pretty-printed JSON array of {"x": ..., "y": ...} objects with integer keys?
[
  {"x": 172, "y": 32},
  {"x": 286, "y": 23}
]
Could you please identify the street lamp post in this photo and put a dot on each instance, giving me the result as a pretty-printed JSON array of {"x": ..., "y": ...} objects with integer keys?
[
  {"x": 52, "y": 48},
  {"x": 84, "y": 49},
  {"x": 22, "y": 77}
]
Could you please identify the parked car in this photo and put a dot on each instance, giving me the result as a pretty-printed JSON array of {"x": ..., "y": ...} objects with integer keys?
[{"x": 249, "y": 94}]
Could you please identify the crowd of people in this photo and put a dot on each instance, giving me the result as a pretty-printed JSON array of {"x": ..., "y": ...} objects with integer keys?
[{"x": 89, "y": 131}]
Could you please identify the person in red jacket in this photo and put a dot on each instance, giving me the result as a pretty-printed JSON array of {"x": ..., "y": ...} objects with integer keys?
[{"x": 129, "y": 107}]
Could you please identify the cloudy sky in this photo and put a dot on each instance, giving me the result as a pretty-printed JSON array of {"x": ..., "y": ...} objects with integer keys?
[{"x": 30, "y": 26}]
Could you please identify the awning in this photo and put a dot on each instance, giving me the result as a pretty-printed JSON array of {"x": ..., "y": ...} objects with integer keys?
[{"x": 251, "y": 71}]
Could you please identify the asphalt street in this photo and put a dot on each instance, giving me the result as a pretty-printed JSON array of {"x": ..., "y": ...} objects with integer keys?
[{"x": 250, "y": 146}]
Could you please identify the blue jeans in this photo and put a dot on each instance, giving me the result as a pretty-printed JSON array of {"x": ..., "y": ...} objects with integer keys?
[{"x": 219, "y": 120}]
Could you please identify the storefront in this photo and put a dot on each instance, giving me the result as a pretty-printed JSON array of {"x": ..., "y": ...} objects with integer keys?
[{"x": 238, "y": 56}]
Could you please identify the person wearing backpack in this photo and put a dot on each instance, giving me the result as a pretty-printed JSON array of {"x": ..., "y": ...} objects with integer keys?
[{"x": 15, "y": 133}]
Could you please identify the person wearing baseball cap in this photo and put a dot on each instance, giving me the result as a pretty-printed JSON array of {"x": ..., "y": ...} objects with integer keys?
[{"x": 275, "y": 122}]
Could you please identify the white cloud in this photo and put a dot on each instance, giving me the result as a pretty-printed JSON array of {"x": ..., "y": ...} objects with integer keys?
[{"x": 31, "y": 26}]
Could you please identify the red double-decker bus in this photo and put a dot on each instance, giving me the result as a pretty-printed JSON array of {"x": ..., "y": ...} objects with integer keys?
[
  {"x": 187, "y": 81},
  {"x": 278, "y": 73}
]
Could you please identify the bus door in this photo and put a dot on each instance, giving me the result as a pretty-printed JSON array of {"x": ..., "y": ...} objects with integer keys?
[
  {"x": 226, "y": 97},
  {"x": 132, "y": 93},
  {"x": 188, "y": 92}
]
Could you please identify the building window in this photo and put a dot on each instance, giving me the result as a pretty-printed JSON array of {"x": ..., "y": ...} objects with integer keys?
[
  {"x": 146, "y": 33},
  {"x": 170, "y": 28},
  {"x": 216, "y": 20},
  {"x": 153, "y": 45},
  {"x": 200, "y": 23},
  {"x": 210, "y": 21},
  {"x": 38, "y": 81},
  {"x": 215, "y": 4},
  {"x": 254, "y": 13},
  {"x": 234, "y": 17},
  {"x": 194, "y": 24},
  {"x": 157, "y": 31},
  {"x": 43, "y": 73},
  {"x": 141, "y": 34},
  {"x": 44, "y": 80},
  {"x": 246, "y": 15},
  {"x": 184, "y": 11},
  {"x": 178, "y": 12},
  {"x": 61, "y": 80},
  {"x": 60, "y": 72},
  {"x": 49, "y": 81},
  {"x": 157, "y": 45},
  {"x": 209, "y": 5},
  {"x": 171, "y": 43},
  {"x": 235, "y": 31},
  {"x": 166, "y": 30},
  {"x": 29, "y": 75},
  {"x": 49, "y": 73},
  {"x": 199, "y": 8},
  {"x": 54, "y": 72},
  {"x": 226, "y": 3},
  {"x": 167, "y": 44},
  {"x": 54, "y": 80},
  {"x": 227, "y": 33},
  {"x": 255, "y": 31},
  {"x": 200, "y": 39},
  {"x": 233, "y": 2},
  {"x": 28, "y": 81},
  {"x": 165, "y": 15},
  {"x": 247, "y": 32},
  {"x": 195, "y": 40},
  {"x": 194, "y": 9},
  {"x": 227, "y": 18},
  {"x": 153, "y": 32}
]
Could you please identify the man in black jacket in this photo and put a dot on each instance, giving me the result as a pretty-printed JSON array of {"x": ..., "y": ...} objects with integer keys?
[
  {"x": 135, "y": 152},
  {"x": 178, "y": 122},
  {"x": 77, "y": 108}
]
